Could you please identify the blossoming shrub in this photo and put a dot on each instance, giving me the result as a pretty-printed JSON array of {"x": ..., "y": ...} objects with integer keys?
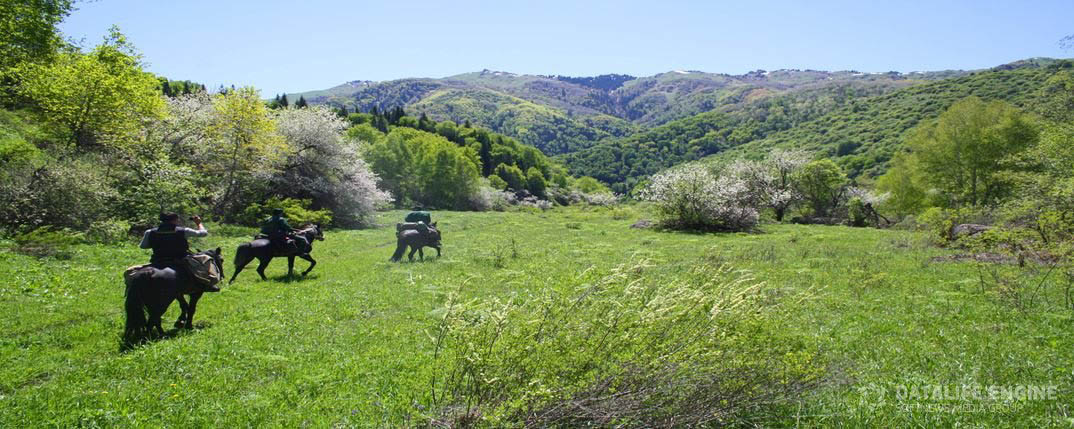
[{"x": 693, "y": 197}]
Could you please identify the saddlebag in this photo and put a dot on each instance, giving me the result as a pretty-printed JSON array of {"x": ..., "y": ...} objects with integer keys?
[{"x": 204, "y": 269}]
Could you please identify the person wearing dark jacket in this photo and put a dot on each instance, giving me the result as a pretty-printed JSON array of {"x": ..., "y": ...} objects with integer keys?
[
  {"x": 276, "y": 229},
  {"x": 170, "y": 245}
]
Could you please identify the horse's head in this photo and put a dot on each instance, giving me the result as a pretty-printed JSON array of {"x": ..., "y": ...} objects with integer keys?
[
  {"x": 318, "y": 233},
  {"x": 434, "y": 234}
]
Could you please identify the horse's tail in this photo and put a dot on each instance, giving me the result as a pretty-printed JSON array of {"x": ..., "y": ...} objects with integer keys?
[
  {"x": 242, "y": 255},
  {"x": 399, "y": 249},
  {"x": 135, "y": 304}
]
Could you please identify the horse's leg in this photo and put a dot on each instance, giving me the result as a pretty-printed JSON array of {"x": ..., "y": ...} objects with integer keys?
[
  {"x": 261, "y": 265},
  {"x": 194, "y": 297},
  {"x": 437, "y": 251},
  {"x": 290, "y": 265},
  {"x": 312, "y": 262},
  {"x": 184, "y": 310},
  {"x": 421, "y": 252},
  {"x": 413, "y": 249}
]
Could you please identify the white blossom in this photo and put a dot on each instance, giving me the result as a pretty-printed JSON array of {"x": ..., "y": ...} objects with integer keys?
[
  {"x": 325, "y": 165},
  {"x": 694, "y": 197}
]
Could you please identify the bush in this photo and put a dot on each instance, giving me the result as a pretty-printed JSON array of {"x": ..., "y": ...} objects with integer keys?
[
  {"x": 626, "y": 349},
  {"x": 45, "y": 241},
  {"x": 108, "y": 232},
  {"x": 297, "y": 211},
  {"x": 856, "y": 212},
  {"x": 692, "y": 197}
]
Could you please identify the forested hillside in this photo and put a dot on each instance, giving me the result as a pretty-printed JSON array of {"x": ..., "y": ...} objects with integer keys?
[
  {"x": 561, "y": 114},
  {"x": 864, "y": 135},
  {"x": 859, "y": 125}
]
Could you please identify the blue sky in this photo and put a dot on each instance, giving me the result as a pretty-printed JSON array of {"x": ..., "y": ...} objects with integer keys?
[{"x": 292, "y": 46}]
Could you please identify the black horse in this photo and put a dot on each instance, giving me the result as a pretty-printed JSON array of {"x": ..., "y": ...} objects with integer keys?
[
  {"x": 264, "y": 251},
  {"x": 417, "y": 240},
  {"x": 151, "y": 290}
]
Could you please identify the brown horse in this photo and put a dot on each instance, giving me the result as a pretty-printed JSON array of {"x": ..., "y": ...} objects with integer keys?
[{"x": 416, "y": 240}]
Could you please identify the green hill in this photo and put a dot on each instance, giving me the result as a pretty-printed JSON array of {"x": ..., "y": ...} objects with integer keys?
[
  {"x": 562, "y": 114},
  {"x": 859, "y": 124}
]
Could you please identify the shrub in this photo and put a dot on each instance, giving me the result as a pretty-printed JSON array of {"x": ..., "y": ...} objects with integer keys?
[
  {"x": 297, "y": 211},
  {"x": 497, "y": 183},
  {"x": 856, "y": 212},
  {"x": 45, "y": 241},
  {"x": 108, "y": 232},
  {"x": 692, "y": 197},
  {"x": 625, "y": 349}
]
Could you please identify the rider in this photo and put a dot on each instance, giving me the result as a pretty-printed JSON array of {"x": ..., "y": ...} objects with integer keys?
[
  {"x": 277, "y": 229},
  {"x": 170, "y": 245}
]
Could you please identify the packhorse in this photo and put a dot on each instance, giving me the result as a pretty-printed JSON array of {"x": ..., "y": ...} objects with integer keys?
[
  {"x": 151, "y": 290},
  {"x": 263, "y": 250},
  {"x": 416, "y": 240}
]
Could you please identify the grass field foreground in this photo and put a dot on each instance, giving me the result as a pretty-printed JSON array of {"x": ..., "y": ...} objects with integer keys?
[{"x": 352, "y": 344}]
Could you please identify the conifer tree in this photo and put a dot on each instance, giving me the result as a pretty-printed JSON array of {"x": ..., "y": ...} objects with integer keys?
[
  {"x": 301, "y": 103},
  {"x": 283, "y": 100}
]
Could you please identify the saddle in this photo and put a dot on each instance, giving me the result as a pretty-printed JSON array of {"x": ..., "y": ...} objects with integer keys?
[{"x": 287, "y": 247}]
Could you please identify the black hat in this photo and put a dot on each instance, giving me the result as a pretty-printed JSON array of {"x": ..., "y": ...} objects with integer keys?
[
  {"x": 169, "y": 217},
  {"x": 277, "y": 212}
]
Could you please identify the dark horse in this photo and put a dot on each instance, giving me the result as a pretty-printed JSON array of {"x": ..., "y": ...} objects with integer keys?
[
  {"x": 152, "y": 290},
  {"x": 417, "y": 240},
  {"x": 264, "y": 251}
]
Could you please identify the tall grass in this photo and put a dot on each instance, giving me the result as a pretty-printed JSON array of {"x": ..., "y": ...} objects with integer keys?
[{"x": 625, "y": 348}]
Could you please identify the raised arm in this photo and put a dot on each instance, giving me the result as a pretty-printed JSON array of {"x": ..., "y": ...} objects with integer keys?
[{"x": 200, "y": 232}]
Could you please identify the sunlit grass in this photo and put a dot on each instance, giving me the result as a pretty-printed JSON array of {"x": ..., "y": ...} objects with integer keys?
[{"x": 351, "y": 344}]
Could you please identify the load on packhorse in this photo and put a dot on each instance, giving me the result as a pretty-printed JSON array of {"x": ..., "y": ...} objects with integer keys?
[
  {"x": 416, "y": 232},
  {"x": 172, "y": 272}
]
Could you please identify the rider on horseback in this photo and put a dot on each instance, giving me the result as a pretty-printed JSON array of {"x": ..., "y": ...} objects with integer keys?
[
  {"x": 170, "y": 245},
  {"x": 277, "y": 230}
]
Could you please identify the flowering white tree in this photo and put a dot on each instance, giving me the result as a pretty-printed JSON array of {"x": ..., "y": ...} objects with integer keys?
[
  {"x": 693, "y": 197},
  {"x": 324, "y": 166},
  {"x": 771, "y": 182}
]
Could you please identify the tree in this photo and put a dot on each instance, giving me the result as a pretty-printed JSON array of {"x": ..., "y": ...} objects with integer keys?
[
  {"x": 964, "y": 156},
  {"x": 513, "y": 175},
  {"x": 692, "y": 197},
  {"x": 821, "y": 183},
  {"x": 535, "y": 182},
  {"x": 301, "y": 103},
  {"x": 28, "y": 31},
  {"x": 323, "y": 167},
  {"x": 771, "y": 181},
  {"x": 98, "y": 98},
  {"x": 247, "y": 152},
  {"x": 283, "y": 101},
  {"x": 416, "y": 166}
]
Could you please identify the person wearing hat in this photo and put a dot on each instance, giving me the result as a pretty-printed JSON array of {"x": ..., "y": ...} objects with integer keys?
[
  {"x": 276, "y": 228},
  {"x": 170, "y": 245}
]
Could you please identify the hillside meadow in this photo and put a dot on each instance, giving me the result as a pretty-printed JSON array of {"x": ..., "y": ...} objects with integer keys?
[{"x": 353, "y": 343}]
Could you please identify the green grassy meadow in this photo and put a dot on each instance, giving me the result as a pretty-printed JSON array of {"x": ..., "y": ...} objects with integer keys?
[{"x": 351, "y": 345}]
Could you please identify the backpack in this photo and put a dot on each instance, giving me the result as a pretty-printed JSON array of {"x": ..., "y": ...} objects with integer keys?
[{"x": 203, "y": 269}]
